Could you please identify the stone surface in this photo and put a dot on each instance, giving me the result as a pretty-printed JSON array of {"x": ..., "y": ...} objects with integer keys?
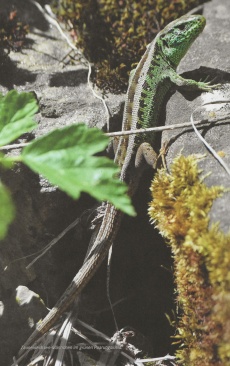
[
  {"x": 42, "y": 211},
  {"x": 20, "y": 311},
  {"x": 209, "y": 57},
  {"x": 141, "y": 278}
]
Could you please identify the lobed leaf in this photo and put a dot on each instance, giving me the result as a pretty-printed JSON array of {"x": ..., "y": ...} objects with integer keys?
[{"x": 65, "y": 158}]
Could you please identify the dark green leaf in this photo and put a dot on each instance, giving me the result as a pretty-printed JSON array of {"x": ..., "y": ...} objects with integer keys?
[{"x": 7, "y": 161}]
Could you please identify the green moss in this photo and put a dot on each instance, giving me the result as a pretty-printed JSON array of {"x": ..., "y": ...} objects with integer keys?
[
  {"x": 114, "y": 34},
  {"x": 179, "y": 209},
  {"x": 12, "y": 33}
]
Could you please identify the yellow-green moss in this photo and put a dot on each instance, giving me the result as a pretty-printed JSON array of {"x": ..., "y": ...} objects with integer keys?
[
  {"x": 179, "y": 209},
  {"x": 114, "y": 34}
]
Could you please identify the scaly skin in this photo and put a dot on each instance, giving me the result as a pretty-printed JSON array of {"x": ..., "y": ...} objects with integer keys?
[{"x": 154, "y": 76}]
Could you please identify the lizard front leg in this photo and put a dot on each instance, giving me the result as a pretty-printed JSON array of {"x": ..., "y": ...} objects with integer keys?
[
  {"x": 189, "y": 84},
  {"x": 146, "y": 154}
]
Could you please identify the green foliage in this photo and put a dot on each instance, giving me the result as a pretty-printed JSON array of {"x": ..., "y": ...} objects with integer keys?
[
  {"x": 16, "y": 115},
  {"x": 123, "y": 30},
  {"x": 7, "y": 210},
  {"x": 64, "y": 157}
]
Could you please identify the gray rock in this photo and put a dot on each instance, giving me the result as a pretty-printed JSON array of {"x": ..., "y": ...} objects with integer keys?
[
  {"x": 209, "y": 57},
  {"x": 19, "y": 313},
  {"x": 42, "y": 210},
  {"x": 64, "y": 98}
]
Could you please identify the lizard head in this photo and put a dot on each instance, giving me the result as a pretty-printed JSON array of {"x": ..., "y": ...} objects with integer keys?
[{"x": 176, "y": 38}]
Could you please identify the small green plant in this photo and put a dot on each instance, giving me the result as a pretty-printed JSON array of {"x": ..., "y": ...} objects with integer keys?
[{"x": 64, "y": 156}]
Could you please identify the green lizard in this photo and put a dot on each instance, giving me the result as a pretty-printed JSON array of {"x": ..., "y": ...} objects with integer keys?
[{"x": 151, "y": 80}]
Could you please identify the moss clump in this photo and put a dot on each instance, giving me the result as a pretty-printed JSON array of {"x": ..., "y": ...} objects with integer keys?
[
  {"x": 180, "y": 206},
  {"x": 12, "y": 33},
  {"x": 114, "y": 34}
]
